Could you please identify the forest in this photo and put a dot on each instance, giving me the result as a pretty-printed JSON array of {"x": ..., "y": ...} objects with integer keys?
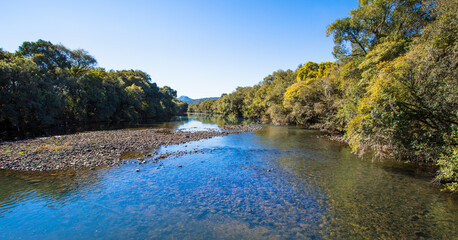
[
  {"x": 392, "y": 91},
  {"x": 47, "y": 85}
]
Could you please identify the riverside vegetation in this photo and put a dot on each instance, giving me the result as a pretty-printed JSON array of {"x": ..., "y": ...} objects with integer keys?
[
  {"x": 47, "y": 85},
  {"x": 393, "y": 89},
  {"x": 44, "y": 85}
]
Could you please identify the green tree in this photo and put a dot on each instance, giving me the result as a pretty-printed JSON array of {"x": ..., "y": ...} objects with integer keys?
[
  {"x": 43, "y": 84},
  {"x": 376, "y": 21}
]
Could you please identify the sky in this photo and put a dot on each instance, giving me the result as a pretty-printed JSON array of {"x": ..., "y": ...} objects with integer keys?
[{"x": 199, "y": 48}]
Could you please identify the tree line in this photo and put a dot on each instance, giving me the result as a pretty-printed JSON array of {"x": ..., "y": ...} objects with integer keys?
[
  {"x": 393, "y": 89},
  {"x": 45, "y": 85}
]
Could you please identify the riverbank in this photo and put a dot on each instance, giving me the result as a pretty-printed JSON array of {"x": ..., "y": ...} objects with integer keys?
[{"x": 97, "y": 148}]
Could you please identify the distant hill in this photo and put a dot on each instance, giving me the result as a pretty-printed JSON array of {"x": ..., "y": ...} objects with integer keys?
[
  {"x": 184, "y": 98},
  {"x": 193, "y": 101}
]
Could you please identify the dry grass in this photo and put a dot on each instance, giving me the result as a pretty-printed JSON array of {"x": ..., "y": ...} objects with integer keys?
[{"x": 53, "y": 148}]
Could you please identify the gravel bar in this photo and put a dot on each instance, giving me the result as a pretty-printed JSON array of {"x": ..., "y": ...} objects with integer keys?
[{"x": 97, "y": 148}]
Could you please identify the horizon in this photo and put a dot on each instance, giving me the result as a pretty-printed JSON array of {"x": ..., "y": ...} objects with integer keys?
[{"x": 219, "y": 44}]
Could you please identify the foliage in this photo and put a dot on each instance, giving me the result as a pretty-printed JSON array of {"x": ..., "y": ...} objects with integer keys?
[
  {"x": 392, "y": 90},
  {"x": 312, "y": 100},
  {"x": 44, "y": 85},
  {"x": 375, "y": 21},
  {"x": 448, "y": 163}
]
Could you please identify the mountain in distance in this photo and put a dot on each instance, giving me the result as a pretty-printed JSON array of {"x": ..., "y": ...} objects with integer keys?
[
  {"x": 193, "y": 101},
  {"x": 184, "y": 98}
]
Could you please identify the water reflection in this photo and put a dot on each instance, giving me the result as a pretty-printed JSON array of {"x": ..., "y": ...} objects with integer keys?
[
  {"x": 203, "y": 122},
  {"x": 70, "y": 129},
  {"x": 54, "y": 187},
  {"x": 196, "y": 126},
  {"x": 367, "y": 198},
  {"x": 278, "y": 183},
  {"x": 220, "y": 120}
]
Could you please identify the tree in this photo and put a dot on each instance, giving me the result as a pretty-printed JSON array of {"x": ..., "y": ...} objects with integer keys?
[
  {"x": 46, "y": 55},
  {"x": 44, "y": 85},
  {"x": 26, "y": 98},
  {"x": 376, "y": 21}
]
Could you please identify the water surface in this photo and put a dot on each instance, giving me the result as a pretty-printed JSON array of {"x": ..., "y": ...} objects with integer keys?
[{"x": 277, "y": 183}]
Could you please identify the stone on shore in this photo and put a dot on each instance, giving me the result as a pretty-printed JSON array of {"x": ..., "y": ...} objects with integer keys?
[{"x": 97, "y": 148}]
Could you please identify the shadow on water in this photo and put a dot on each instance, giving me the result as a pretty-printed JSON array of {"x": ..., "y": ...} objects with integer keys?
[{"x": 277, "y": 183}]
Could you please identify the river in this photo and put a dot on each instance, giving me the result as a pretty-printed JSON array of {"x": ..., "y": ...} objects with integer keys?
[{"x": 277, "y": 183}]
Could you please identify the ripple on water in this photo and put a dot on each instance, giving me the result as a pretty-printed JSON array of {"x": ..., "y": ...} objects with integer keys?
[{"x": 280, "y": 182}]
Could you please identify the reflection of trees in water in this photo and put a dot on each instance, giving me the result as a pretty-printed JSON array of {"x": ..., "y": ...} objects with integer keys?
[
  {"x": 52, "y": 185},
  {"x": 173, "y": 124},
  {"x": 366, "y": 198},
  {"x": 71, "y": 129},
  {"x": 370, "y": 202},
  {"x": 220, "y": 120}
]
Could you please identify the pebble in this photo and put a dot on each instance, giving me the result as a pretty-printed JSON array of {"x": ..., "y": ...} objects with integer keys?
[{"x": 99, "y": 147}]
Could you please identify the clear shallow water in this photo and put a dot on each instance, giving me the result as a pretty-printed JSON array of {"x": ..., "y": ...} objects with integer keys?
[
  {"x": 194, "y": 125},
  {"x": 278, "y": 183}
]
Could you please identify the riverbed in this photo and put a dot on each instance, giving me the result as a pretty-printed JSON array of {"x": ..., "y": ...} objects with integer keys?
[{"x": 276, "y": 183}]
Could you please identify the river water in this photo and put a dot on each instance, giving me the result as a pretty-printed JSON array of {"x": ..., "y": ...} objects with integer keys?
[{"x": 276, "y": 183}]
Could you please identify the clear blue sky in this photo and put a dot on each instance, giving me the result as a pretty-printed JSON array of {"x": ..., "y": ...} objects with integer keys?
[{"x": 200, "y": 48}]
